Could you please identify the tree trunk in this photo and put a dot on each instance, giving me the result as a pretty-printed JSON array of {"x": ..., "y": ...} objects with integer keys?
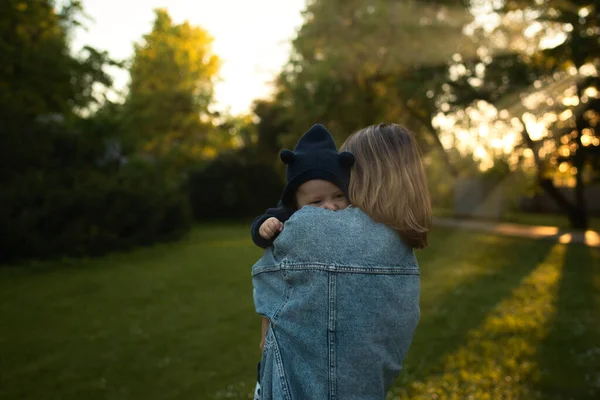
[
  {"x": 581, "y": 217},
  {"x": 577, "y": 216}
]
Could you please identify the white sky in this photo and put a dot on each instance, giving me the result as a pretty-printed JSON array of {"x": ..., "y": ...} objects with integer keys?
[{"x": 252, "y": 38}]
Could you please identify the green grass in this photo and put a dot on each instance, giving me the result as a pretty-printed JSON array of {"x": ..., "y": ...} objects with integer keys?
[
  {"x": 502, "y": 318},
  {"x": 558, "y": 220}
]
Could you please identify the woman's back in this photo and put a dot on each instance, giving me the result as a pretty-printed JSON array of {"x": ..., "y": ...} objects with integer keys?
[{"x": 342, "y": 295}]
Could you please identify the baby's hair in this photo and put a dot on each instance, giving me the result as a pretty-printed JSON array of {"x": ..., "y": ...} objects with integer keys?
[{"x": 388, "y": 181}]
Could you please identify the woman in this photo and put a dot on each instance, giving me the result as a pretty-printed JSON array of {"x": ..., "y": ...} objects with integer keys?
[{"x": 341, "y": 288}]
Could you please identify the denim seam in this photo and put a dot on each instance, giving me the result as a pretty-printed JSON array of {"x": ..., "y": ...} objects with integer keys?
[
  {"x": 352, "y": 269},
  {"x": 263, "y": 269},
  {"x": 286, "y": 297},
  {"x": 269, "y": 339},
  {"x": 280, "y": 369},
  {"x": 344, "y": 264},
  {"x": 396, "y": 270},
  {"x": 331, "y": 334}
]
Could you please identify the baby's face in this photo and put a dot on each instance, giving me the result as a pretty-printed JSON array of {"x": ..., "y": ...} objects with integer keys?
[{"x": 322, "y": 194}]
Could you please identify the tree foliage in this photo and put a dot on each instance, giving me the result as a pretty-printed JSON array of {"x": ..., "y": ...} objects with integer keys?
[
  {"x": 70, "y": 185},
  {"x": 558, "y": 80},
  {"x": 356, "y": 63},
  {"x": 172, "y": 77},
  {"x": 38, "y": 75}
]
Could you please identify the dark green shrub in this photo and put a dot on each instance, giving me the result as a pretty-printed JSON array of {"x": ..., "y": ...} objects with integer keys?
[
  {"x": 234, "y": 185},
  {"x": 71, "y": 200}
]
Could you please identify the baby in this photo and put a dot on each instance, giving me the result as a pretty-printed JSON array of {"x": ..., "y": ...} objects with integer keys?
[
  {"x": 317, "y": 175},
  {"x": 341, "y": 289}
]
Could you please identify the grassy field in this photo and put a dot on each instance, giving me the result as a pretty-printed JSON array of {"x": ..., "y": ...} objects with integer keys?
[
  {"x": 558, "y": 220},
  {"x": 502, "y": 318}
]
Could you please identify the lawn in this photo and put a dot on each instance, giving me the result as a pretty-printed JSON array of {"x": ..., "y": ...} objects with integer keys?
[
  {"x": 559, "y": 220},
  {"x": 502, "y": 318}
]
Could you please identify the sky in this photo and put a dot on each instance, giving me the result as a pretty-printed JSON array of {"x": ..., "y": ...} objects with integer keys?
[{"x": 252, "y": 38}]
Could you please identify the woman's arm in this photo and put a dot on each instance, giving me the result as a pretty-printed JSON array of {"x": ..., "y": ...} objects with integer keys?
[{"x": 263, "y": 332}]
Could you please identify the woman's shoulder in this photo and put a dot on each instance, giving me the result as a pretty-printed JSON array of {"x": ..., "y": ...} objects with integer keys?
[
  {"x": 353, "y": 221},
  {"x": 347, "y": 236}
]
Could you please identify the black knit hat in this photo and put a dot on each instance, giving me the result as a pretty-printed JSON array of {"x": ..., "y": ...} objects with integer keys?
[{"x": 315, "y": 157}]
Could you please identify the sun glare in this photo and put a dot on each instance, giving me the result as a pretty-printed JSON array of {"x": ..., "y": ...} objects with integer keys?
[
  {"x": 252, "y": 39},
  {"x": 508, "y": 338}
]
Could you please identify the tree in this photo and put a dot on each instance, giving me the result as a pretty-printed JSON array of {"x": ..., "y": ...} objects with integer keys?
[
  {"x": 356, "y": 63},
  {"x": 38, "y": 75},
  {"x": 273, "y": 123},
  {"x": 564, "y": 77},
  {"x": 172, "y": 77},
  {"x": 40, "y": 79},
  {"x": 67, "y": 186}
]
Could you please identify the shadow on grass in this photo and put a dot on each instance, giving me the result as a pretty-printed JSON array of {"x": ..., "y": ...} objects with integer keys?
[
  {"x": 569, "y": 357},
  {"x": 445, "y": 323}
]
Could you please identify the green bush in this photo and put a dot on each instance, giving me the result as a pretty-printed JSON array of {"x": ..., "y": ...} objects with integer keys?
[
  {"x": 66, "y": 198},
  {"x": 234, "y": 185},
  {"x": 44, "y": 216}
]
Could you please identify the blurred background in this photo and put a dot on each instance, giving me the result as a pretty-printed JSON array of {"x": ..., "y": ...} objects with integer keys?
[{"x": 139, "y": 139}]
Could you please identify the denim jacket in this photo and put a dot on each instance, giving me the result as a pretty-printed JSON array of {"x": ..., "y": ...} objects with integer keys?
[{"x": 342, "y": 295}]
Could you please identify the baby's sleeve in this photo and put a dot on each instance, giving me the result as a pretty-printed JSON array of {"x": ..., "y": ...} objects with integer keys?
[{"x": 280, "y": 212}]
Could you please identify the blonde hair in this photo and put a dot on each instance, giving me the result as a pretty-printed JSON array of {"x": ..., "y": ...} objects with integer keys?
[{"x": 388, "y": 181}]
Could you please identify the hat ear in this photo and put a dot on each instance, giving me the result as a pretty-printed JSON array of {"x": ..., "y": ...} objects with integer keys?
[
  {"x": 287, "y": 157},
  {"x": 346, "y": 159}
]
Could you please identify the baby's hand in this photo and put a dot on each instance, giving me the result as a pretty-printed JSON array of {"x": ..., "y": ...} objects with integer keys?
[{"x": 270, "y": 228}]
